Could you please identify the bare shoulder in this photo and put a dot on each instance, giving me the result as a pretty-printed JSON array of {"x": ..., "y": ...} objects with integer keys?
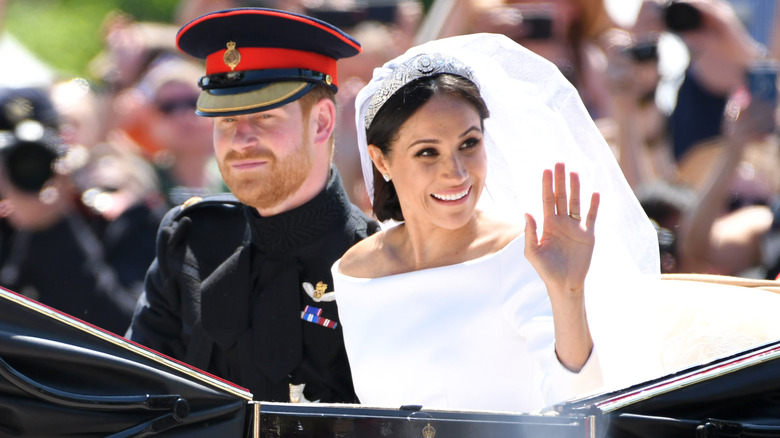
[
  {"x": 498, "y": 233},
  {"x": 363, "y": 258}
]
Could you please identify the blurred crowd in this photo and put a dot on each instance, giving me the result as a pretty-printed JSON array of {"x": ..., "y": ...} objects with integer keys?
[{"x": 685, "y": 96}]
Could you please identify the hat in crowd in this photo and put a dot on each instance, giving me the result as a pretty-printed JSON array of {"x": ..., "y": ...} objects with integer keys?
[
  {"x": 18, "y": 105},
  {"x": 258, "y": 59}
]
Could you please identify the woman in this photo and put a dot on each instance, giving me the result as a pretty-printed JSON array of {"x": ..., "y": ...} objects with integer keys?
[
  {"x": 452, "y": 308},
  {"x": 460, "y": 306}
]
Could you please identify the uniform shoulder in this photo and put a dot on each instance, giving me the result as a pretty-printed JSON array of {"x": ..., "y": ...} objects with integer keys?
[
  {"x": 220, "y": 201},
  {"x": 212, "y": 217},
  {"x": 212, "y": 205}
]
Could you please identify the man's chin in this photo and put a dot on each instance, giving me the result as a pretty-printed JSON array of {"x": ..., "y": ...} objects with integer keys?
[{"x": 261, "y": 199}]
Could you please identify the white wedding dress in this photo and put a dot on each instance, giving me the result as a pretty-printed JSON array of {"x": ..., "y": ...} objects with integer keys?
[{"x": 477, "y": 336}]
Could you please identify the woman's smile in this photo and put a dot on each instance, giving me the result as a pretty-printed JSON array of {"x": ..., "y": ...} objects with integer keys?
[{"x": 451, "y": 197}]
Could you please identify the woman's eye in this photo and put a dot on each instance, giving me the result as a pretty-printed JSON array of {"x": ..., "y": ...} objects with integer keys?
[
  {"x": 470, "y": 143},
  {"x": 427, "y": 152}
]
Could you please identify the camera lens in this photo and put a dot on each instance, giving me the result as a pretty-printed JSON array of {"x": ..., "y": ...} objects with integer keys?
[
  {"x": 680, "y": 17},
  {"x": 29, "y": 164}
]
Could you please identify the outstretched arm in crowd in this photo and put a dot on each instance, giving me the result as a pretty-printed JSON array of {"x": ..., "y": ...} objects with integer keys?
[{"x": 711, "y": 238}]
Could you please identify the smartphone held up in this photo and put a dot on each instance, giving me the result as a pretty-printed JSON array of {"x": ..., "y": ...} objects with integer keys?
[{"x": 761, "y": 82}]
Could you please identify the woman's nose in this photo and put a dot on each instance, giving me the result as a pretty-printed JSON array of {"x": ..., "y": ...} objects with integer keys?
[{"x": 456, "y": 168}]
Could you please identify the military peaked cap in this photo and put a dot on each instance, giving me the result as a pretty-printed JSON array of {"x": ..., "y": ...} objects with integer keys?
[{"x": 258, "y": 59}]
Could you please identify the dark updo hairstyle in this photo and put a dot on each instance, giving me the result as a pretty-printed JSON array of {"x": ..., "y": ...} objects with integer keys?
[{"x": 383, "y": 131}]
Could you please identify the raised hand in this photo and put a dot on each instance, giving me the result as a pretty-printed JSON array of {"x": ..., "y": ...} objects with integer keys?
[
  {"x": 562, "y": 258},
  {"x": 562, "y": 255}
]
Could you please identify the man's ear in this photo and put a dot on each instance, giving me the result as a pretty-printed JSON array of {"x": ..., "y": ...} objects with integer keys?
[
  {"x": 379, "y": 159},
  {"x": 323, "y": 115}
]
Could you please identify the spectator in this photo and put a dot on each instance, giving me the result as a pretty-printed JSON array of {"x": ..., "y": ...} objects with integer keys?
[
  {"x": 637, "y": 126},
  {"x": 130, "y": 48},
  {"x": 49, "y": 253},
  {"x": 733, "y": 241},
  {"x": 565, "y": 32},
  {"x": 50, "y": 250},
  {"x": 78, "y": 107},
  {"x": 121, "y": 193},
  {"x": 184, "y": 161},
  {"x": 721, "y": 50}
]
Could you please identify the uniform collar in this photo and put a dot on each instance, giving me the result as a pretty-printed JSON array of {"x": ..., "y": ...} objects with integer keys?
[{"x": 301, "y": 225}]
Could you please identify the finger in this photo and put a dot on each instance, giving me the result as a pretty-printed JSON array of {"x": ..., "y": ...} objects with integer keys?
[
  {"x": 590, "y": 221},
  {"x": 574, "y": 199},
  {"x": 531, "y": 239},
  {"x": 548, "y": 198},
  {"x": 560, "y": 189}
]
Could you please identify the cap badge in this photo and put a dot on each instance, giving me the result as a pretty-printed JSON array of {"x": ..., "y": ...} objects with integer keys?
[{"x": 231, "y": 57}]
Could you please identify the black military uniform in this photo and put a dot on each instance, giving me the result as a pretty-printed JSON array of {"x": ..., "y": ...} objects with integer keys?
[
  {"x": 250, "y": 298},
  {"x": 228, "y": 290}
]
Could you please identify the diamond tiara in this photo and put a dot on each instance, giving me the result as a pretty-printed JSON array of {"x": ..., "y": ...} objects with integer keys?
[{"x": 420, "y": 66}]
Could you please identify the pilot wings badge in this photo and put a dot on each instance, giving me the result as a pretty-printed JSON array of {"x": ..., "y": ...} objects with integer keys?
[{"x": 317, "y": 293}]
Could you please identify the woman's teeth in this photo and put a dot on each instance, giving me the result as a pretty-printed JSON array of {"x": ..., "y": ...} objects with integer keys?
[{"x": 452, "y": 197}]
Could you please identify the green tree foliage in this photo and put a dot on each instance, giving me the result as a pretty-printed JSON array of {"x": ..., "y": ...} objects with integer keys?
[{"x": 66, "y": 34}]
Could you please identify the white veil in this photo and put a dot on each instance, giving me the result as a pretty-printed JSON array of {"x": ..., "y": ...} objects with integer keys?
[{"x": 537, "y": 119}]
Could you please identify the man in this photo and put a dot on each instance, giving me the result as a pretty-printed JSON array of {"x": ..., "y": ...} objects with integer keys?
[
  {"x": 49, "y": 250},
  {"x": 243, "y": 289}
]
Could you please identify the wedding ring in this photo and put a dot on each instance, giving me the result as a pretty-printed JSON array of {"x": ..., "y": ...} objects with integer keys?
[{"x": 575, "y": 216}]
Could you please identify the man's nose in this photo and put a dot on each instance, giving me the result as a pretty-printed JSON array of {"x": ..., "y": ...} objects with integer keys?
[{"x": 245, "y": 136}]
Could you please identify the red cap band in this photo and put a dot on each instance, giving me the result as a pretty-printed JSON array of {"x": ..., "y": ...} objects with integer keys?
[{"x": 264, "y": 58}]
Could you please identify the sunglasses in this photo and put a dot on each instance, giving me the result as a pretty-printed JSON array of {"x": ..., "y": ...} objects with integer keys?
[{"x": 177, "y": 106}]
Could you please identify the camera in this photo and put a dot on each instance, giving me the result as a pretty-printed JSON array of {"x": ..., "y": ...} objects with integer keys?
[
  {"x": 537, "y": 25},
  {"x": 643, "y": 51},
  {"x": 536, "y": 21},
  {"x": 29, "y": 163},
  {"x": 681, "y": 17}
]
